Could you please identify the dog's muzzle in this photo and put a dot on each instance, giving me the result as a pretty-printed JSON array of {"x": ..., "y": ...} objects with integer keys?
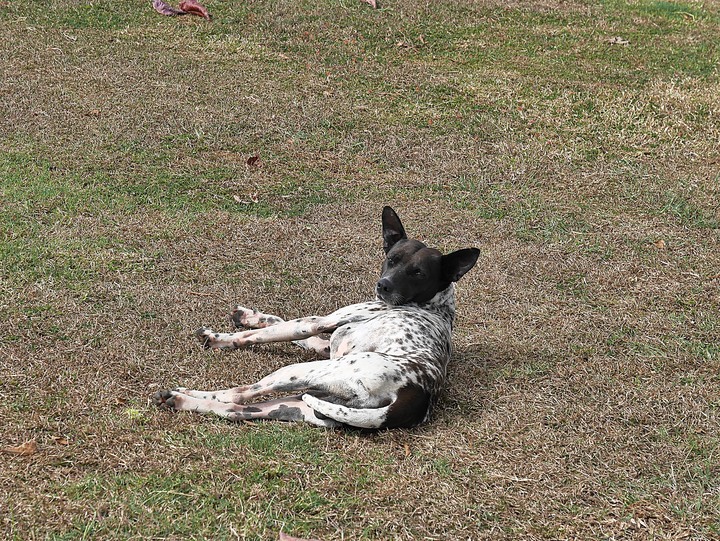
[{"x": 386, "y": 293}]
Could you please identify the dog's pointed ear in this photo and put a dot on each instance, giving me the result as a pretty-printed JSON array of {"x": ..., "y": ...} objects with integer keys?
[
  {"x": 392, "y": 228},
  {"x": 456, "y": 264}
]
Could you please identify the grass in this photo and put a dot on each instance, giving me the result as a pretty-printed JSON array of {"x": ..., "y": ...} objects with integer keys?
[{"x": 575, "y": 143}]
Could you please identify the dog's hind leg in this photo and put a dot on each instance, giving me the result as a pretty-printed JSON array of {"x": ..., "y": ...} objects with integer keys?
[
  {"x": 293, "y": 378},
  {"x": 281, "y": 409}
]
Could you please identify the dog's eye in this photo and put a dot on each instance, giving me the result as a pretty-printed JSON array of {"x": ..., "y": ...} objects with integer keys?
[{"x": 415, "y": 272}]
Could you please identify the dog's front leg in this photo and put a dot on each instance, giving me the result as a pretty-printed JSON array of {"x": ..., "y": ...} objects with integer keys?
[
  {"x": 285, "y": 331},
  {"x": 247, "y": 318}
]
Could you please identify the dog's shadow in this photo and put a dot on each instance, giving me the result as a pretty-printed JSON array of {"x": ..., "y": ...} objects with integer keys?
[{"x": 478, "y": 372}]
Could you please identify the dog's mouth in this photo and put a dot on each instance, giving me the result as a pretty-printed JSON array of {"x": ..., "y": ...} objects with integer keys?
[{"x": 390, "y": 298}]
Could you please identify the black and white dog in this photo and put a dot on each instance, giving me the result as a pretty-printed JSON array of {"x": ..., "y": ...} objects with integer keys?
[{"x": 387, "y": 357}]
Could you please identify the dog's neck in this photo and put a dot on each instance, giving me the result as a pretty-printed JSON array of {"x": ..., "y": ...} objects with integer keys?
[{"x": 443, "y": 303}]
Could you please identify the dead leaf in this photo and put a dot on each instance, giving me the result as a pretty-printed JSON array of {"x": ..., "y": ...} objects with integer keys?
[
  {"x": 163, "y": 8},
  {"x": 286, "y": 537},
  {"x": 407, "y": 450},
  {"x": 617, "y": 40},
  {"x": 60, "y": 440},
  {"x": 253, "y": 199},
  {"x": 660, "y": 245},
  {"x": 195, "y": 8},
  {"x": 252, "y": 160},
  {"x": 26, "y": 449}
]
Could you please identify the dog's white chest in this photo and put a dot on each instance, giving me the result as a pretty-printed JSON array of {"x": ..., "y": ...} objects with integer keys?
[{"x": 385, "y": 333}]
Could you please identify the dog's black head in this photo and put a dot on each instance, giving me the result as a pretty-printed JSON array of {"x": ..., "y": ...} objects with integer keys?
[{"x": 412, "y": 272}]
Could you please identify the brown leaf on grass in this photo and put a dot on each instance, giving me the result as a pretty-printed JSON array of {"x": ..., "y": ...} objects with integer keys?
[
  {"x": 252, "y": 160},
  {"x": 163, "y": 8},
  {"x": 60, "y": 440},
  {"x": 660, "y": 244},
  {"x": 25, "y": 449},
  {"x": 286, "y": 537},
  {"x": 195, "y": 8}
]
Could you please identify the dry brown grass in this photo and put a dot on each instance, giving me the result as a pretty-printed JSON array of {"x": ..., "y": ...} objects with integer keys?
[{"x": 583, "y": 398}]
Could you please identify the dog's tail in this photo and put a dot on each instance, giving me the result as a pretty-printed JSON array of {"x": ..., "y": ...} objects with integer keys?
[{"x": 358, "y": 417}]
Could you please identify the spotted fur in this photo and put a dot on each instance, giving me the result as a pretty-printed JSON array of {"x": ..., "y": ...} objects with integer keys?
[{"x": 387, "y": 358}]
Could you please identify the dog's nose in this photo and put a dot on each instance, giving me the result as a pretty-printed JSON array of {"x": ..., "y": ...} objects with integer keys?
[{"x": 383, "y": 285}]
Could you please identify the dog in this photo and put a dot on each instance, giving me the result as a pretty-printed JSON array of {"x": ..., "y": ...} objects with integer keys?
[{"x": 387, "y": 358}]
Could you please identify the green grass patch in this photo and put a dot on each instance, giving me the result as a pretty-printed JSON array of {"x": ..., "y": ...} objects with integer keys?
[
  {"x": 688, "y": 213},
  {"x": 264, "y": 488}
]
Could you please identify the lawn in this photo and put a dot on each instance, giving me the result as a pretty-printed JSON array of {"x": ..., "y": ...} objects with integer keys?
[{"x": 576, "y": 143}]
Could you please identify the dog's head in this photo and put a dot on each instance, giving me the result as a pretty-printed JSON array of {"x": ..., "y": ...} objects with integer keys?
[{"x": 412, "y": 272}]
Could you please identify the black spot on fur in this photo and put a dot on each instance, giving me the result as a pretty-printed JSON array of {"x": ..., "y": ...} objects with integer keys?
[{"x": 286, "y": 413}]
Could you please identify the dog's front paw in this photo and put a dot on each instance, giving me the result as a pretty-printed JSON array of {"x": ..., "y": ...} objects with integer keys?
[
  {"x": 241, "y": 317},
  {"x": 206, "y": 337},
  {"x": 164, "y": 399},
  {"x": 246, "y": 318}
]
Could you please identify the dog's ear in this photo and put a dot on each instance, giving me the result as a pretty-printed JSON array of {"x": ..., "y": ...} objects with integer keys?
[
  {"x": 456, "y": 264},
  {"x": 393, "y": 229}
]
